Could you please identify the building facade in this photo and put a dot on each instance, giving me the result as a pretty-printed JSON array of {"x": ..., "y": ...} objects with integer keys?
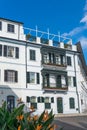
[{"x": 41, "y": 70}]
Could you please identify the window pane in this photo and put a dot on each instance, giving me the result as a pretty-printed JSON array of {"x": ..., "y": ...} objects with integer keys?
[
  {"x": 10, "y": 28},
  {"x": 32, "y": 77},
  {"x": 46, "y": 99},
  {"x": 10, "y": 51},
  {"x": 32, "y": 55},
  {"x": 72, "y": 103},
  {"x": 33, "y": 99},
  {"x": 10, "y": 76},
  {"x": 52, "y": 80}
]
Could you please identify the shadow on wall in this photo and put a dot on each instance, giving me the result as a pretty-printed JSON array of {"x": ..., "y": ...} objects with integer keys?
[{"x": 8, "y": 95}]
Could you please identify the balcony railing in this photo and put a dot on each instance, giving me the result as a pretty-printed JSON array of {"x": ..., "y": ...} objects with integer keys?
[
  {"x": 53, "y": 86},
  {"x": 57, "y": 63}
]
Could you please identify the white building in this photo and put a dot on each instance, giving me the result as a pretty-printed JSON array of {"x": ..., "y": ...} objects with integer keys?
[{"x": 41, "y": 69}]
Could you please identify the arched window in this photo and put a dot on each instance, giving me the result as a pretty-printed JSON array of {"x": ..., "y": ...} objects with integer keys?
[{"x": 72, "y": 103}]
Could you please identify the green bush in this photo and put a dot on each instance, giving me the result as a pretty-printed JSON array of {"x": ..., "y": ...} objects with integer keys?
[{"x": 18, "y": 120}]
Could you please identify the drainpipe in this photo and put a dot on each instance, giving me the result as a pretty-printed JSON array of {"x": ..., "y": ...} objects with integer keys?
[
  {"x": 26, "y": 61},
  {"x": 76, "y": 86}
]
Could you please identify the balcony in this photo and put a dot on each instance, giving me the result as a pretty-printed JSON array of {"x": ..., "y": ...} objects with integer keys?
[
  {"x": 57, "y": 63},
  {"x": 53, "y": 87}
]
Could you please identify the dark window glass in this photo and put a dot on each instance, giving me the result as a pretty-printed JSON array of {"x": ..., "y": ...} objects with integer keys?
[
  {"x": 0, "y": 50},
  {"x": 74, "y": 81},
  {"x": 32, "y": 55},
  {"x": 68, "y": 60},
  {"x": 0, "y": 25},
  {"x": 10, "y": 76},
  {"x": 38, "y": 78},
  {"x": 72, "y": 103},
  {"x": 10, "y": 28}
]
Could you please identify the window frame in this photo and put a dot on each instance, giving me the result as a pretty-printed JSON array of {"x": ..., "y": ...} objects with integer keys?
[
  {"x": 8, "y": 74},
  {"x": 72, "y": 103},
  {"x": 32, "y": 55},
  {"x": 69, "y": 61},
  {"x": 11, "y": 28}
]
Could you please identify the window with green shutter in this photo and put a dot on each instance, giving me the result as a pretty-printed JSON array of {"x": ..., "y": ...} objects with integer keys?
[{"x": 72, "y": 103}]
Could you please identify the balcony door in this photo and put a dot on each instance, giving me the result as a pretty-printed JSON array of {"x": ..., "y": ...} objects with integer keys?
[{"x": 59, "y": 105}]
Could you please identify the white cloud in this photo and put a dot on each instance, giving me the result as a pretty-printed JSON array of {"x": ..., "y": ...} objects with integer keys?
[
  {"x": 84, "y": 19},
  {"x": 83, "y": 41},
  {"x": 81, "y": 28}
]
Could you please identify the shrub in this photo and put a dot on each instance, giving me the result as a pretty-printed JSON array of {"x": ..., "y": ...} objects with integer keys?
[{"x": 18, "y": 120}]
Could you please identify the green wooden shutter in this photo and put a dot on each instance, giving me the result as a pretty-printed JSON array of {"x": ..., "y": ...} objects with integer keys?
[
  {"x": 27, "y": 99},
  {"x": 5, "y": 75},
  {"x": 17, "y": 52},
  {"x": 74, "y": 81},
  {"x": 38, "y": 78},
  {"x": 16, "y": 76},
  {"x": 0, "y": 50},
  {"x": 5, "y": 51},
  {"x": 28, "y": 77}
]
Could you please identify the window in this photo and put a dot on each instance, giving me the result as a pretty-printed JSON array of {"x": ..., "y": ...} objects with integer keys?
[
  {"x": 74, "y": 81},
  {"x": 72, "y": 103},
  {"x": 32, "y": 55},
  {"x": 52, "y": 81},
  {"x": 33, "y": 102},
  {"x": 45, "y": 58},
  {"x": 10, "y": 51},
  {"x": 69, "y": 60},
  {"x": 58, "y": 60},
  {"x": 10, "y": 76},
  {"x": 10, "y": 28},
  {"x": 46, "y": 80},
  {"x": 31, "y": 77},
  {"x": 0, "y": 25},
  {"x": 47, "y": 103}
]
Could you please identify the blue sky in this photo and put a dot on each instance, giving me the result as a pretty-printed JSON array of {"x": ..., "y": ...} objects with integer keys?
[{"x": 69, "y": 17}]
